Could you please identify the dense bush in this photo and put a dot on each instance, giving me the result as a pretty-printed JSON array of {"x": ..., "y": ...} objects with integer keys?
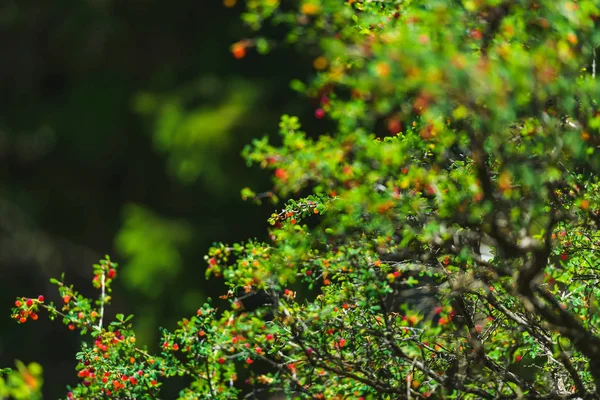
[{"x": 442, "y": 243}]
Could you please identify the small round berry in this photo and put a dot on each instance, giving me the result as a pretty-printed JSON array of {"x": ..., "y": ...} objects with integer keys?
[
  {"x": 238, "y": 50},
  {"x": 18, "y": 303},
  {"x": 71, "y": 327},
  {"x": 66, "y": 299},
  {"x": 41, "y": 298},
  {"x": 29, "y": 302},
  {"x": 319, "y": 113}
]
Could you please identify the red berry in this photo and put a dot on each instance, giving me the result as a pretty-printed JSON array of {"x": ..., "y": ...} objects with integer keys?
[
  {"x": 249, "y": 361},
  {"x": 18, "y": 303},
  {"x": 394, "y": 126},
  {"x": 175, "y": 346},
  {"x": 66, "y": 299},
  {"x": 29, "y": 302},
  {"x": 438, "y": 310},
  {"x": 319, "y": 113},
  {"x": 105, "y": 380},
  {"x": 41, "y": 298},
  {"x": 111, "y": 273},
  {"x": 22, "y": 320},
  {"x": 269, "y": 336},
  {"x": 221, "y": 360},
  {"x": 71, "y": 327},
  {"x": 281, "y": 174},
  {"x": 518, "y": 358}
]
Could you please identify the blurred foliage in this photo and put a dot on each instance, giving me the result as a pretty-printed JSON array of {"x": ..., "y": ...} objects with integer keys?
[
  {"x": 194, "y": 137},
  {"x": 152, "y": 245},
  {"x": 23, "y": 383}
]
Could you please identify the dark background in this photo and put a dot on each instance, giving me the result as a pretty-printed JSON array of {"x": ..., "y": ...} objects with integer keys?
[{"x": 121, "y": 127}]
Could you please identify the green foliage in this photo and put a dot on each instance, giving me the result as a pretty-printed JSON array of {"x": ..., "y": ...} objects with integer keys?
[
  {"x": 194, "y": 133},
  {"x": 24, "y": 383},
  {"x": 153, "y": 245},
  {"x": 459, "y": 125}
]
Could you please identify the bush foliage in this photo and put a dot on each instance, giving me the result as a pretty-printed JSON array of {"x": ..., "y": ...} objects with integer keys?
[{"x": 442, "y": 242}]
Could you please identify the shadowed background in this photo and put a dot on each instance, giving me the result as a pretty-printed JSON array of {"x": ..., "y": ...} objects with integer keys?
[{"x": 121, "y": 127}]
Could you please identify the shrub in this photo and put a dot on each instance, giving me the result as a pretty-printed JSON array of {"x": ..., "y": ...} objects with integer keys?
[{"x": 441, "y": 243}]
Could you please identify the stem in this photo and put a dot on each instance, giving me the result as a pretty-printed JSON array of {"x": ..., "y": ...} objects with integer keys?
[
  {"x": 102, "y": 297},
  {"x": 594, "y": 62},
  {"x": 208, "y": 377}
]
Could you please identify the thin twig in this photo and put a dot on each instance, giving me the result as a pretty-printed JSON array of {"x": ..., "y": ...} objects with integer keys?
[
  {"x": 103, "y": 283},
  {"x": 594, "y": 62}
]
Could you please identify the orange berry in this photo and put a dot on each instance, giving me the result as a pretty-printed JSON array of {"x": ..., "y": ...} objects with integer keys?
[
  {"x": 309, "y": 9},
  {"x": 238, "y": 50}
]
